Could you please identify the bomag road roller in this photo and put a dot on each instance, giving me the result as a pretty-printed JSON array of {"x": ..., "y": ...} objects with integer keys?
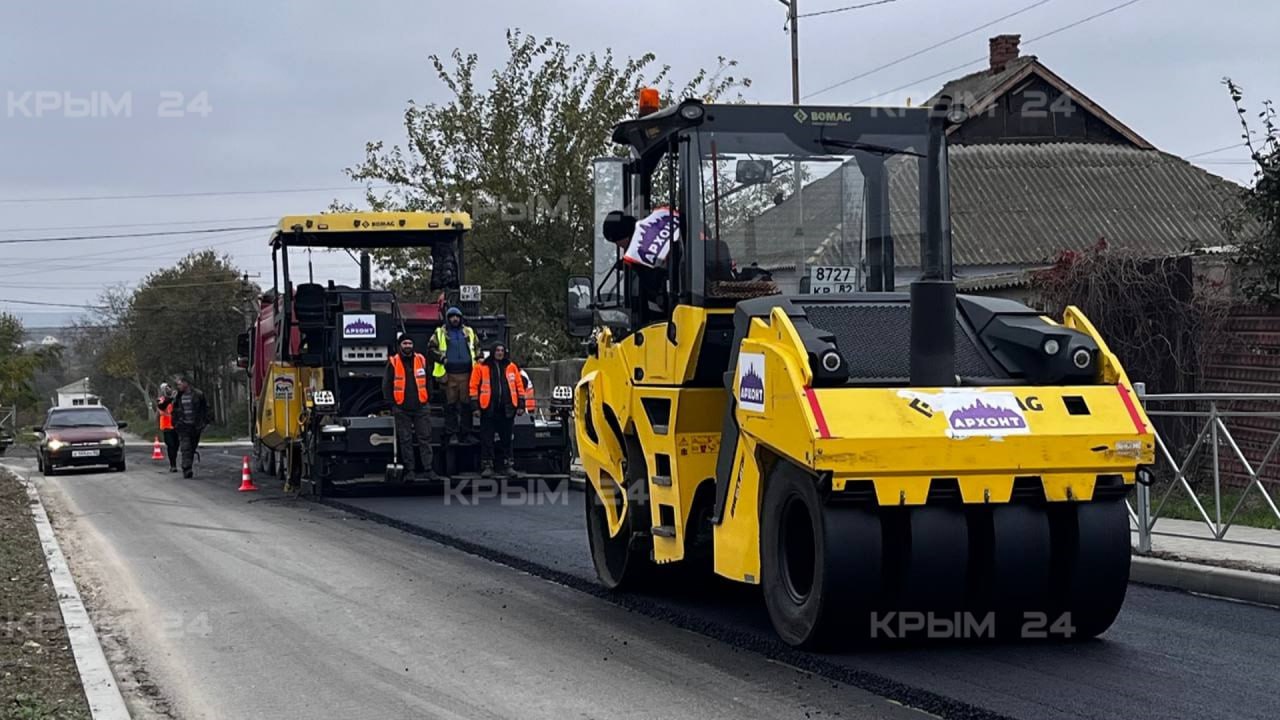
[
  {"x": 320, "y": 421},
  {"x": 762, "y": 403}
]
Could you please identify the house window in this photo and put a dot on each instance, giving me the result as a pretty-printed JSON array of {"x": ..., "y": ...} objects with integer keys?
[{"x": 77, "y": 401}]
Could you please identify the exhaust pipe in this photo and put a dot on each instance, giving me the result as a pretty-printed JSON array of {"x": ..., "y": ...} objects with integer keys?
[{"x": 933, "y": 296}]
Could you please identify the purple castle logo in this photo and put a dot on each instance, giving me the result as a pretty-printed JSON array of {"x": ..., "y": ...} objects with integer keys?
[
  {"x": 751, "y": 387},
  {"x": 359, "y": 328},
  {"x": 981, "y": 416}
]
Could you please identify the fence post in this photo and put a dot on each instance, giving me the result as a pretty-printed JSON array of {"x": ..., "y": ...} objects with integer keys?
[
  {"x": 1217, "y": 474},
  {"x": 1143, "y": 491}
]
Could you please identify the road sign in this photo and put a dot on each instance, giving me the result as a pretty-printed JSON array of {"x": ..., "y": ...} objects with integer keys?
[{"x": 469, "y": 293}]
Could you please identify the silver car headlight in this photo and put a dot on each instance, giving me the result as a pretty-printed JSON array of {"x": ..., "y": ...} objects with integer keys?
[{"x": 113, "y": 442}]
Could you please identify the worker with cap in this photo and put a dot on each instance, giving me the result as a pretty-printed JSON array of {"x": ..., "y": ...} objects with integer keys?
[
  {"x": 456, "y": 351},
  {"x": 190, "y": 418},
  {"x": 498, "y": 389},
  {"x": 405, "y": 386},
  {"x": 164, "y": 406}
]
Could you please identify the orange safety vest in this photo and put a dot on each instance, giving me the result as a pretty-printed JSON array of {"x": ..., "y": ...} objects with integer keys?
[
  {"x": 166, "y": 417},
  {"x": 419, "y": 374},
  {"x": 482, "y": 390}
]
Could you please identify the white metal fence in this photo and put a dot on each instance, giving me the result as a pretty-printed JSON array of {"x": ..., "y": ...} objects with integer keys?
[{"x": 1204, "y": 414}]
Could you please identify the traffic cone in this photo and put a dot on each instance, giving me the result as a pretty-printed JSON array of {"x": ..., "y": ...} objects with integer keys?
[
  {"x": 156, "y": 452},
  {"x": 246, "y": 482}
]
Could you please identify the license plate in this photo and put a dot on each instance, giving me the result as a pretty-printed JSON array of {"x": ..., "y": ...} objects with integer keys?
[{"x": 84, "y": 453}]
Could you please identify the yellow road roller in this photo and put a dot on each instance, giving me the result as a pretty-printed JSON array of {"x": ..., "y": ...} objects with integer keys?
[{"x": 760, "y": 401}]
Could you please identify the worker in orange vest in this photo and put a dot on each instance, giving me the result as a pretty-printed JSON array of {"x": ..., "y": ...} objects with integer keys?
[
  {"x": 498, "y": 391},
  {"x": 405, "y": 387},
  {"x": 164, "y": 405}
]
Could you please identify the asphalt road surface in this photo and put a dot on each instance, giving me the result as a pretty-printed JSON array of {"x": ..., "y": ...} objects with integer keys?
[
  {"x": 1169, "y": 654},
  {"x": 217, "y": 604}
]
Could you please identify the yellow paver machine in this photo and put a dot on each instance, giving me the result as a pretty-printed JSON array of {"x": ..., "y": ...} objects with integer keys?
[{"x": 758, "y": 401}]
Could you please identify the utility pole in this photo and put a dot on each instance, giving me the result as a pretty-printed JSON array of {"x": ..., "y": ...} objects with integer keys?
[
  {"x": 793, "y": 21},
  {"x": 793, "y": 24}
]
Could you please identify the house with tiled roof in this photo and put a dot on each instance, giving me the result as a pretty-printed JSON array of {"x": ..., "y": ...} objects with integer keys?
[{"x": 1037, "y": 168}]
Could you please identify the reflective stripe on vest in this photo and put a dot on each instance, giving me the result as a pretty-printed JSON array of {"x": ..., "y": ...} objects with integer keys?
[{"x": 419, "y": 374}]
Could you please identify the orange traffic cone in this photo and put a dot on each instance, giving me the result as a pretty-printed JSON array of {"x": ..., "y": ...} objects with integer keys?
[
  {"x": 156, "y": 453},
  {"x": 246, "y": 482}
]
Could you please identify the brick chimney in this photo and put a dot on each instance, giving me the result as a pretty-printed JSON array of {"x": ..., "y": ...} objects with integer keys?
[{"x": 1004, "y": 50}]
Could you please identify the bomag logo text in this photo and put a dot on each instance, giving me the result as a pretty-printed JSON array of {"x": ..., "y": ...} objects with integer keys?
[{"x": 830, "y": 116}]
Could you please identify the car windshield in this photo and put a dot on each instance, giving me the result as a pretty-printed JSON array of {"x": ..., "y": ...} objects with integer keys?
[
  {"x": 88, "y": 417},
  {"x": 803, "y": 214}
]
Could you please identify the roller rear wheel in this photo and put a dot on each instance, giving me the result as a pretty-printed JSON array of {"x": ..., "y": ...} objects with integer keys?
[
  {"x": 820, "y": 564},
  {"x": 1091, "y": 564}
]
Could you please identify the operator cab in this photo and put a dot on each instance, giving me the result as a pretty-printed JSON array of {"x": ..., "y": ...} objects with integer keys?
[{"x": 806, "y": 209}]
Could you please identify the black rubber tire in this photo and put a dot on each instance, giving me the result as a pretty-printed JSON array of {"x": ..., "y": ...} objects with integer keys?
[
  {"x": 624, "y": 562},
  {"x": 820, "y": 565},
  {"x": 1011, "y": 547},
  {"x": 119, "y": 467},
  {"x": 47, "y": 469},
  {"x": 621, "y": 561},
  {"x": 1091, "y": 548},
  {"x": 927, "y": 558}
]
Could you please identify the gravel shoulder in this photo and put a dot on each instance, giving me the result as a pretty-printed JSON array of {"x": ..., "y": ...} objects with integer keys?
[{"x": 38, "y": 680}]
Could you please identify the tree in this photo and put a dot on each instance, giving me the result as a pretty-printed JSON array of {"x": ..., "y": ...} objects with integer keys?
[
  {"x": 19, "y": 365},
  {"x": 180, "y": 319},
  {"x": 518, "y": 156},
  {"x": 1256, "y": 231}
]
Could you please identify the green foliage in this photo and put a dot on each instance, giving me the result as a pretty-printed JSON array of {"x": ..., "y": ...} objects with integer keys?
[
  {"x": 1257, "y": 233},
  {"x": 517, "y": 155},
  {"x": 180, "y": 319},
  {"x": 19, "y": 366}
]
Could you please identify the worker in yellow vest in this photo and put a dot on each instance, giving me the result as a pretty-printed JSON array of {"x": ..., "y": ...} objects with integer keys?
[
  {"x": 405, "y": 387},
  {"x": 455, "y": 350}
]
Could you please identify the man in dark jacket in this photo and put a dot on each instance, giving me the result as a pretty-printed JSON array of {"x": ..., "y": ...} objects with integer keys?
[
  {"x": 405, "y": 387},
  {"x": 497, "y": 389},
  {"x": 190, "y": 417}
]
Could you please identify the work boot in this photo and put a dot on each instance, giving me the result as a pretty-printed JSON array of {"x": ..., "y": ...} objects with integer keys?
[
  {"x": 408, "y": 477},
  {"x": 486, "y": 469},
  {"x": 173, "y": 468},
  {"x": 186, "y": 474},
  {"x": 453, "y": 439},
  {"x": 503, "y": 468}
]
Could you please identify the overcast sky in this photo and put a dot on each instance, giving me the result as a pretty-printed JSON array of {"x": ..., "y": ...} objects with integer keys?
[{"x": 275, "y": 95}]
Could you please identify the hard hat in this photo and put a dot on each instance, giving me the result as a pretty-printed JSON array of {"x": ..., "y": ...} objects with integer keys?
[{"x": 453, "y": 311}]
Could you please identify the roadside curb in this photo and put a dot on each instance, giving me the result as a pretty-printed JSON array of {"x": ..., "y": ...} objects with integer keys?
[
  {"x": 1253, "y": 587},
  {"x": 100, "y": 689}
]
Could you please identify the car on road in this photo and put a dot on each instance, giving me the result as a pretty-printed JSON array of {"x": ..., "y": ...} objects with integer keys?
[{"x": 79, "y": 437}]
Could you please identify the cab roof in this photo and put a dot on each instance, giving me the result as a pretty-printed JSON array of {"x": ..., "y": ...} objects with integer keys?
[{"x": 358, "y": 230}]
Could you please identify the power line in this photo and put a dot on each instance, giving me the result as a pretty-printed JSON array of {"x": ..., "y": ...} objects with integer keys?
[
  {"x": 132, "y": 225},
  {"x": 846, "y": 8},
  {"x": 212, "y": 193},
  {"x": 975, "y": 61},
  {"x": 47, "y": 263},
  {"x": 53, "y": 304},
  {"x": 74, "y": 238},
  {"x": 922, "y": 51}
]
